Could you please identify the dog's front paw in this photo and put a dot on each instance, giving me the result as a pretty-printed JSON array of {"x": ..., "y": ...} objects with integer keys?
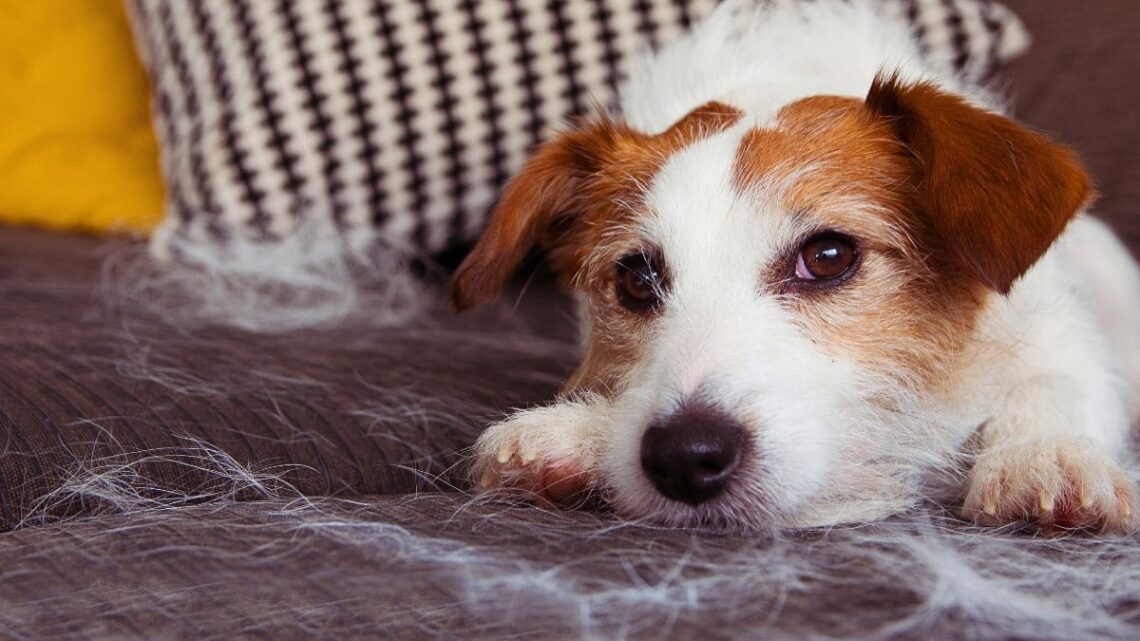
[
  {"x": 542, "y": 451},
  {"x": 1059, "y": 484}
]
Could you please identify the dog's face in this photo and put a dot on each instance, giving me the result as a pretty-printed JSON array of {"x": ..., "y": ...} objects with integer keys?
[{"x": 765, "y": 300}]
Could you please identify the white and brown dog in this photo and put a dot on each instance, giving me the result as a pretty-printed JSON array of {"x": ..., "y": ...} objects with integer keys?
[{"x": 809, "y": 285}]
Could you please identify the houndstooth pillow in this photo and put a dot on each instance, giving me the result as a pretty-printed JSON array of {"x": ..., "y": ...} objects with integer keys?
[{"x": 399, "y": 120}]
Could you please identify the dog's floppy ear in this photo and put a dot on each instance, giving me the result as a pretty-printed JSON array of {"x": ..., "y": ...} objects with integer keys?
[
  {"x": 546, "y": 189},
  {"x": 554, "y": 186},
  {"x": 996, "y": 194}
]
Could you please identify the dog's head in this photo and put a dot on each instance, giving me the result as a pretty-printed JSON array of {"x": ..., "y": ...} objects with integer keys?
[{"x": 763, "y": 299}]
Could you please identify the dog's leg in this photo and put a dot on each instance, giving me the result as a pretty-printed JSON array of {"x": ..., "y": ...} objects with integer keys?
[
  {"x": 1041, "y": 461},
  {"x": 550, "y": 451},
  {"x": 1111, "y": 281}
]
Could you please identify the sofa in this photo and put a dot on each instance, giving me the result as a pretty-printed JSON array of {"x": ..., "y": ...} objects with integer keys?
[{"x": 168, "y": 480}]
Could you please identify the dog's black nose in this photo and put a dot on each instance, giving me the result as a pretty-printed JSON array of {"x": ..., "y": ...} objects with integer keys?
[{"x": 690, "y": 455}]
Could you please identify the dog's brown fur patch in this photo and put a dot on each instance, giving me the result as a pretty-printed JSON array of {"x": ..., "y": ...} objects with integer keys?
[
  {"x": 960, "y": 200},
  {"x": 571, "y": 185},
  {"x": 840, "y": 169},
  {"x": 576, "y": 198},
  {"x": 996, "y": 194},
  {"x": 606, "y": 234}
]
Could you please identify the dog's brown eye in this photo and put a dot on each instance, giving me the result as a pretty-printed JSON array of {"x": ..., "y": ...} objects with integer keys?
[
  {"x": 639, "y": 282},
  {"x": 826, "y": 256}
]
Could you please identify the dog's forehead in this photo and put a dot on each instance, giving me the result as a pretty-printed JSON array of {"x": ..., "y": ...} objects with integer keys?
[
  {"x": 697, "y": 211},
  {"x": 748, "y": 190}
]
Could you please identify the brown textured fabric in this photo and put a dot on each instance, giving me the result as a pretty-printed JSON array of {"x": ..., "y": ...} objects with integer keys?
[
  {"x": 342, "y": 412},
  {"x": 1078, "y": 83},
  {"x": 259, "y": 571},
  {"x": 84, "y": 385},
  {"x": 432, "y": 567}
]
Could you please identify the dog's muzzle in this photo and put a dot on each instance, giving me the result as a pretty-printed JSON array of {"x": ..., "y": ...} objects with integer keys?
[{"x": 691, "y": 454}]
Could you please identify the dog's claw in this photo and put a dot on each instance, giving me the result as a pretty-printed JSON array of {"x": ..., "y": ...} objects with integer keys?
[
  {"x": 540, "y": 452},
  {"x": 488, "y": 479},
  {"x": 1061, "y": 486}
]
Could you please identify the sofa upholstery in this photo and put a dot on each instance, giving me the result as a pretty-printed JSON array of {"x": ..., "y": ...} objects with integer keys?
[
  {"x": 163, "y": 481},
  {"x": 88, "y": 378}
]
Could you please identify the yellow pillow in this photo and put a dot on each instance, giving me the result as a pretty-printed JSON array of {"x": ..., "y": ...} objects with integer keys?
[{"x": 77, "y": 150}]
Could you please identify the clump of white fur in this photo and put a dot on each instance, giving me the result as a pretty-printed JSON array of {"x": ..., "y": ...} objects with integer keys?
[
  {"x": 120, "y": 484},
  {"x": 309, "y": 278},
  {"x": 502, "y": 569}
]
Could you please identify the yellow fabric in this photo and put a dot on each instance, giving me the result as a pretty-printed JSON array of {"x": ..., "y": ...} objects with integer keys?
[{"x": 77, "y": 150}]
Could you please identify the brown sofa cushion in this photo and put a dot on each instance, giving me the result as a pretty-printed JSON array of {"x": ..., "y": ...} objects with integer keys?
[
  {"x": 435, "y": 567},
  {"x": 88, "y": 386},
  {"x": 1078, "y": 83}
]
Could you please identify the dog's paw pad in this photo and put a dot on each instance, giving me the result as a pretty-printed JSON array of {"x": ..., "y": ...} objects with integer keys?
[{"x": 1059, "y": 486}]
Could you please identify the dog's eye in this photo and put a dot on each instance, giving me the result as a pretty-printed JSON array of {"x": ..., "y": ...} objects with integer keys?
[
  {"x": 639, "y": 282},
  {"x": 826, "y": 256}
]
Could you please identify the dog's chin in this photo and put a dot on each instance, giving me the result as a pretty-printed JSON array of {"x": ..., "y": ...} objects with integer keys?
[
  {"x": 741, "y": 508},
  {"x": 750, "y": 512}
]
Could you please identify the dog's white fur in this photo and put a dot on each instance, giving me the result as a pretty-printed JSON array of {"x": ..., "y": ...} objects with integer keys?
[{"x": 1052, "y": 370}]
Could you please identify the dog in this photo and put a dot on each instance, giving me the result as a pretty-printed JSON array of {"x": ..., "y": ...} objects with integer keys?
[{"x": 819, "y": 281}]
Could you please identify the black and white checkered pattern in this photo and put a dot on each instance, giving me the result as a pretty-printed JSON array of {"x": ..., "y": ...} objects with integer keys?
[{"x": 399, "y": 119}]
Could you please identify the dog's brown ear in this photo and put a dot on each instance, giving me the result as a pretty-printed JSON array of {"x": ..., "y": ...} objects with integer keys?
[
  {"x": 555, "y": 185},
  {"x": 996, "y": 194},
  {"x": 545, "y": 190}
]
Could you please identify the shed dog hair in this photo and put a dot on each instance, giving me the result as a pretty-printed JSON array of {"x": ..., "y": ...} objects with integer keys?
[{"x": 818, "y": 280}]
